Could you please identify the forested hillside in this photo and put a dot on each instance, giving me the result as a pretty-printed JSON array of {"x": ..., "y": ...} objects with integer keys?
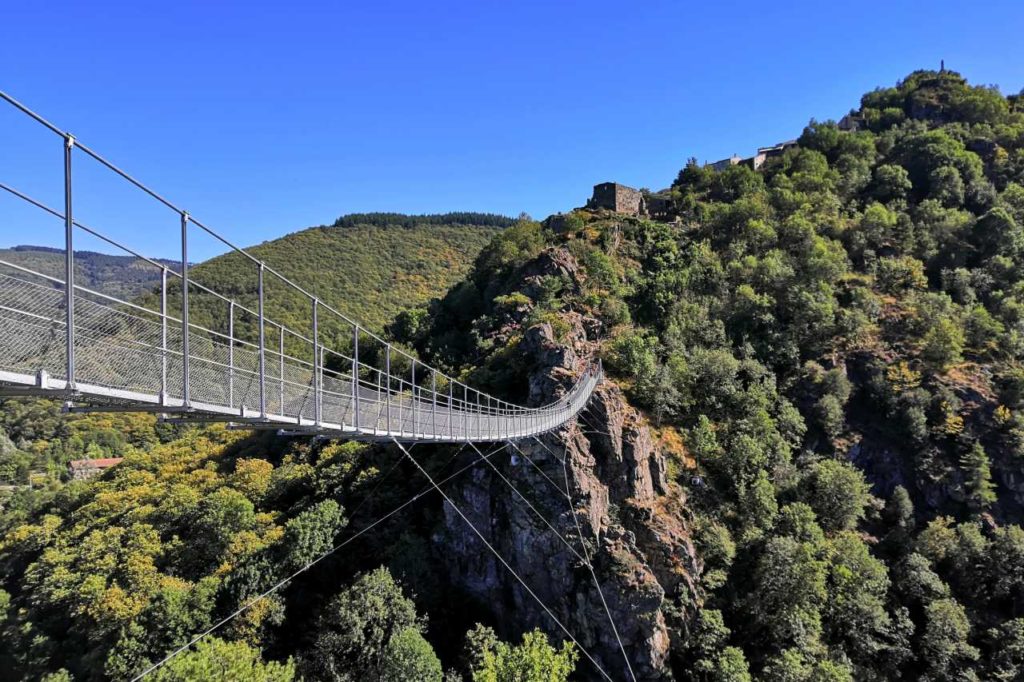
[
  {"x": 826, "y": 482},
  {"x": 831, "y": 348},
  {"x": 367, "y": 266}
]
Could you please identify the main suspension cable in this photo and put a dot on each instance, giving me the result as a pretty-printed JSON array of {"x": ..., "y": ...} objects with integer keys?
[
  {"x": 506, "y": 565},
  {"x": 532, "y": 507},
  {"x": 590, "y": 564},
  {"x": 585, "y": 557}
]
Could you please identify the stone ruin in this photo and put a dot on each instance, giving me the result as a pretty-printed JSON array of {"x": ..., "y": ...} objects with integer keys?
[
  {"x": 619, "y": 198},
  {"x": 612, "y": 196}
]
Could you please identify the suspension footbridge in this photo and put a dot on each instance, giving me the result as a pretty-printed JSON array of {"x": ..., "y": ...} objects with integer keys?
[
  {"x": 159, "y": 348},
  {"x": 146, "y": 352}
]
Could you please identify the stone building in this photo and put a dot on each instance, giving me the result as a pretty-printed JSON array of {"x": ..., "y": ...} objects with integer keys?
[
  {"x": 755, "y": 161},
  {"x": 765, "y": 153},
  {"x": 612, "y": 196},
  {"x": 619, "y": 198},
  {"x": 850, "y": 123},
  {"x": 659, "y": 206},
  {"x": 725, "y": 163},
  {"x": 82, "y": 469}
]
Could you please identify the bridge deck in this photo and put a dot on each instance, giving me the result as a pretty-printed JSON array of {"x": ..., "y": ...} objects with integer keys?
[{"x": 129, "y": 356}]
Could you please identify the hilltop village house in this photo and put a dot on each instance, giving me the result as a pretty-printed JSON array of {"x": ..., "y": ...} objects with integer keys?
[
  {"x": 83, "y": 469},
  {"x": 757, "y": 160},
  {"x": 849, "y": 123}
]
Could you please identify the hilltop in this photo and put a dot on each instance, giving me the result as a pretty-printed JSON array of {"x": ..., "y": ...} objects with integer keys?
[
  {"x": 807, "y": 465},
  {"x": 368, "y": 266}
]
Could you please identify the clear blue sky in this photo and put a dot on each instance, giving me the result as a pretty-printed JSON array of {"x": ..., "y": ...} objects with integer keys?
[{"x": 264, "y": 118}]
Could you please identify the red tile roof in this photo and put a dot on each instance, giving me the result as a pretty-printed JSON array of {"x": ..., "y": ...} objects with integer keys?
[{"x": 101, "y": 463}]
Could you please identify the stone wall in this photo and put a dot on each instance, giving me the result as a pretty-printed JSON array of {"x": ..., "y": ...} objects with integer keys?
[{"x": 619, "y": 198}]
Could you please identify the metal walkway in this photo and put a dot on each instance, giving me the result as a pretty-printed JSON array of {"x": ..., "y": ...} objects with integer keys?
[{"x": 143, "y": 352}]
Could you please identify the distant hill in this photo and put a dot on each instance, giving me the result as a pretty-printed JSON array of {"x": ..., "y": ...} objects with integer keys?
[
  {"x": 368, "y": 266},
  {"x": 121, "y": 276}
]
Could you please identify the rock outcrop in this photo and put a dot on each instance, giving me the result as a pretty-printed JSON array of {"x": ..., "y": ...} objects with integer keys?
[{"x": 620, "y": 512}]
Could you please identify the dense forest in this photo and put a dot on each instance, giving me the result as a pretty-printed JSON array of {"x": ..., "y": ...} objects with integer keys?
[
  {"x": 833, "y": 345},
  {"x": 404, "y": 220},
  {"x": 827, "y": 351}
]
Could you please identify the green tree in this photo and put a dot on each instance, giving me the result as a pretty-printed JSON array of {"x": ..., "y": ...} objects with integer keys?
[
  {"x": 946, "y": 186},
  {"x": 216, "y": 520},
  {"x": 410, "y": 657},
  {"x": 916, "y": 582},
  {"x": 856, "y": 614},
  {"x": 355, "y": 630},
  {"x": 311, "y": 533},
  {"x": 899, "y": 514},
  {"x": 838, "y": 494},
  {"x": 788, "y": 594},
  {"x": 978, "y": 477},
  {"x": 533, "y": 660},
  {"x": 219, "y": 661},
  {"x": 759, "y": 505},
  {"x": 730, "y": 666},
  {"x": 1007, "y": 662},
  {"x": 891, "y": 183},
  {"x": 792, "y": 665},
  {"x": 943, "y": 344},
  {"x": 945, "y": 650},
  {"x": 997, "y": 233},
  {"x": 797, "y": 520},
  {"x": 1006, "y": 564}
]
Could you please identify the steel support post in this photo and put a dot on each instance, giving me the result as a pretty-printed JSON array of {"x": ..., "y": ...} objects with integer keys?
[
  {"x": 280, "y": 378},
  {"x": 231, "y": 354},
  {"x": 433, "y": 410},
  {"x": 163, "y": 336},
  {"x": 69, "y": 263},
  {"x": 414, "y": 398},
  {"x": 186, "y": 388},
  {"x": 317, "y": 364},
  {"x": 355, "y": 371},
  {"x": 387, "y": 372},
  {"x": 263, "y": 347},
  {"x": 380, "y": 401}
]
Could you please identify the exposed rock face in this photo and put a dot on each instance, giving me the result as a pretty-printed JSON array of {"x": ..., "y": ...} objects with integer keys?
[
  {"x": 6, "y": 446},
  {"x": 631, "y": 520},
  {"x": 936, "y": 483}
]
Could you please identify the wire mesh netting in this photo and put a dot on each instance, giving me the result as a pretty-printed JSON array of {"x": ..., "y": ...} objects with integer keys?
[{"x": 133, "y": 350}]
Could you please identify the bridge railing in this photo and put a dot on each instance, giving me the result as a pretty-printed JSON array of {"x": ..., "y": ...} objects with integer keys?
[{"x": 184, "y": 346}]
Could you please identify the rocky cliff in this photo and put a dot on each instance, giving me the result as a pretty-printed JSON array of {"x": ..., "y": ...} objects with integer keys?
[{"x": 620, "y": 511}]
